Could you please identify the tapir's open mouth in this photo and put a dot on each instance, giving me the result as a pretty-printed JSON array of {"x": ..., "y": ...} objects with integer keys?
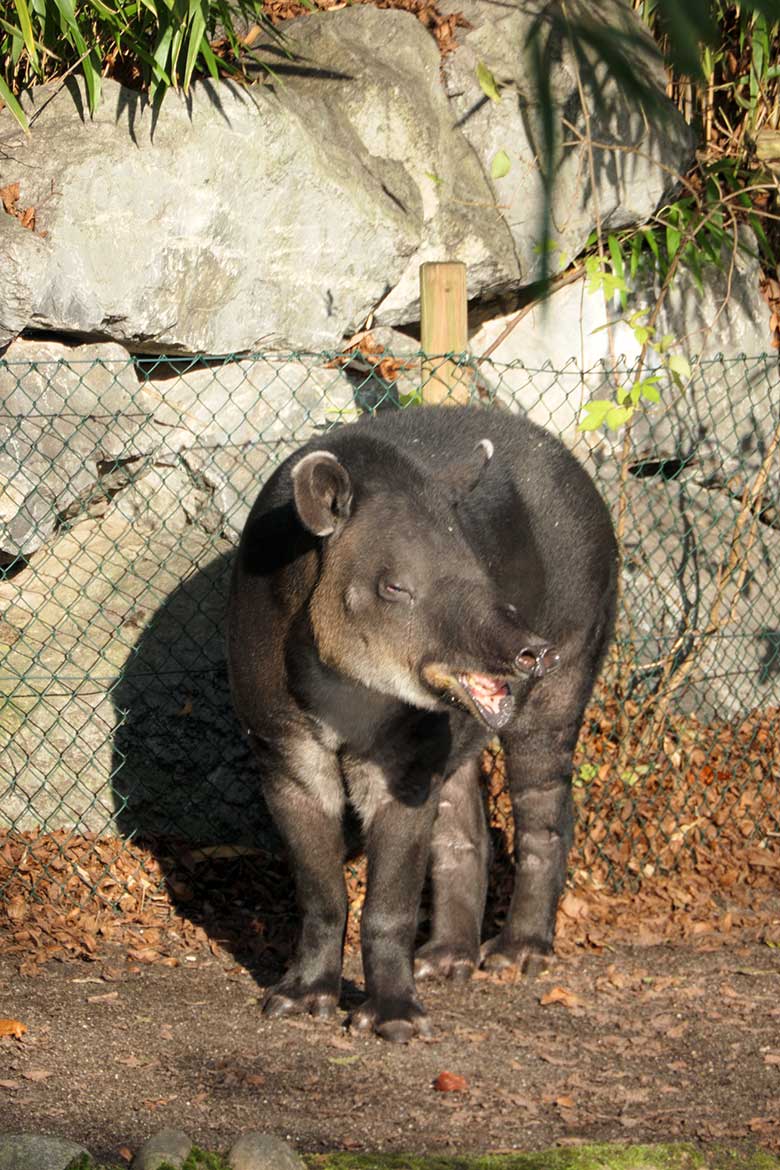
[
  {"x": 484, "y": 695},
  {"x": 491, "y": 696}
]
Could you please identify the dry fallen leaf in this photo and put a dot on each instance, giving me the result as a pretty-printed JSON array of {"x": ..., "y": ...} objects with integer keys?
[
  {"x": 447, "y": 1082},
  {"x": 37, "y": 1074},
  {"x": 125, "y": 1153},
  {"x": 9, "y": 196},
  {"x": 10, "y": 1085},
  {"x": 560, "y": 995},
  {"x": 12, "y": 1028}
]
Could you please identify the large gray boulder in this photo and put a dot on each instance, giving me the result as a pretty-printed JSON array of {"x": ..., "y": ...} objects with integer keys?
[
  {"x": 288, "y": 211},
  {"x": 635, "y": 158},
  {"x": 372, "y": 78},
  {"x": 224, "y": 222},
  {"x": 282, "y": 212},
  {"x": 225, "y": 428}
]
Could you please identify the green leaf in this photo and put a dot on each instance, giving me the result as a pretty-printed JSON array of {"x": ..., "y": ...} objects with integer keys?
[
  {"x": 617, "y": 417},
  {"x": 619, "y": 269},
  {"x": 679, "y": 364},
  {"x": 434, "y": 178},
  {"x": 25, "y": 24},
  {"x": 650, "y": 393},
  {"x": 500, "y": 165},
  {"x": 487, "y": 83},
  {"x": 652, "y": 242},
  {"x": 595, "y": 413},
  {"x": 208, "y": 56},
  {"x": 13, "y": 105}
]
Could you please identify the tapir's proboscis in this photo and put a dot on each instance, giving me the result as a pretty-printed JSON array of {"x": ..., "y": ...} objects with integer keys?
[{"x": 407, "y": 588}]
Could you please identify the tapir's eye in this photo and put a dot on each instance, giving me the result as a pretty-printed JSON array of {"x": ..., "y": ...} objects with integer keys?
[{"x": 390, "y": 590}]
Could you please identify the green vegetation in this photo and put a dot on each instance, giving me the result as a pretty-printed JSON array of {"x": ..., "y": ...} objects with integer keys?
[
  {"x": 595, "y": 1157},
  {"x": 732, "y": 92},
  {"x": 151, "y": 44}
]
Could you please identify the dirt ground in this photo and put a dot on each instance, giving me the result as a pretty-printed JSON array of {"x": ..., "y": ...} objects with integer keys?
[{"x": 633, "y": 1044}]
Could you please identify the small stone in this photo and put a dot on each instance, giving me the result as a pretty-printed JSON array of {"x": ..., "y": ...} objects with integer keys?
[
  {"x": 27, "y": 1151},
  {"x": 168, "y": 1145},
  {"x": 263, "y": 1151}
]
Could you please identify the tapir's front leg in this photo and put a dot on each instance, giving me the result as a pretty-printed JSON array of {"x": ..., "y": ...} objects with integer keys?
[
  {"x": 305, "y": 795},
  {"x": 539, "y": 750},
  {"x": 398, "y": 837}
]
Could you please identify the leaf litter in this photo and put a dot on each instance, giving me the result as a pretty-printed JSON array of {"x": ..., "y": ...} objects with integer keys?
[{"x": 687, "y": 853}]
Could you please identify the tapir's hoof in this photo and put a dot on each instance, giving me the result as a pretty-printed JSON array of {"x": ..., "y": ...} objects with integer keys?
[
  {"x": 445, "y": 961},
  {"x": 529, "y": 957},
  {"x": 398, "y": 1021},
  {"x": 287, "y": 1001}
]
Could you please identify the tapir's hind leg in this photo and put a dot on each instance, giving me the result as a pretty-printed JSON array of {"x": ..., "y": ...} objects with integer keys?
[
  {"x": 459, "y": 870},
  {"x": 539, "y": 748}
]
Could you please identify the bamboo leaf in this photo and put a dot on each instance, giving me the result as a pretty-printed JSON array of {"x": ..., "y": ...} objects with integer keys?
[
  {"x": 210, "y": 59},
  {"x": 197, "y": 29},
  {"x": 25, "y": 25},
  {"x": 13, "y": 105}
]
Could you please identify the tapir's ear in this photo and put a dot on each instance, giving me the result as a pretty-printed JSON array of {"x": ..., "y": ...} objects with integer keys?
[
  {"x": 461, "y": 478},
  {"x": 323, "y": 492}
]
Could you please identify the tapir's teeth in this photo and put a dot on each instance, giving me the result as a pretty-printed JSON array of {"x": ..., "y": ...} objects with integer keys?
[{"x": 485, "y": 690}]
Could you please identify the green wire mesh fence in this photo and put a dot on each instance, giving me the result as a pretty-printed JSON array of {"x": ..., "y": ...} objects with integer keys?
[{"x": 124, "y": 487}]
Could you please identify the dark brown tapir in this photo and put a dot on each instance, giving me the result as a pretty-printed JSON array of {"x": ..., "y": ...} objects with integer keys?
[{"x": 406, "y": 588}]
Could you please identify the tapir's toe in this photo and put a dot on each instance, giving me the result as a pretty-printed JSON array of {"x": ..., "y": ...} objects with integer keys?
[
  {"x": 284, "y": 1002},
  {"x": 445, "y": 961},
  {"x": 398, "y": 1021},
  {"x": 528, "y": 956}
]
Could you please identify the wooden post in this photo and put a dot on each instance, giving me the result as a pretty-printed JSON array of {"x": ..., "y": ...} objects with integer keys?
[{"x": 443, "y": 329}]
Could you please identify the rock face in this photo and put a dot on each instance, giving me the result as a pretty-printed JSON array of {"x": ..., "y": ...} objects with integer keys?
[
  {"x": 284, "y": 238},
  {"x": 25, "y": 256},
  {"x": 287, "y": 211},
  {"x": 634, "y": 158}
]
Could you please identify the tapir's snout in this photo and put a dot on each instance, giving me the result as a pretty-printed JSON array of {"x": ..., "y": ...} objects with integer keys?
[{"x": 538, "y": 660}]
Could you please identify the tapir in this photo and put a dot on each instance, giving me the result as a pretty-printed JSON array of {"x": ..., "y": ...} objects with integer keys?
[{"x": 406, "y": 588}]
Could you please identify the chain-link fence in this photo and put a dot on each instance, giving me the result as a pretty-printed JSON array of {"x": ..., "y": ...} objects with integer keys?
[{"x": 125, "y": 485}]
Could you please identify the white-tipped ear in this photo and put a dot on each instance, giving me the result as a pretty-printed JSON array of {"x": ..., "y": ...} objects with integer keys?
[
  {"x": 489, "y": 448},
  {"x": 322, "y": 491}
]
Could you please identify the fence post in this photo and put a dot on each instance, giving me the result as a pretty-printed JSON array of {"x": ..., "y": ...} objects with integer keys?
[{"x": 443, "y": 329}]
